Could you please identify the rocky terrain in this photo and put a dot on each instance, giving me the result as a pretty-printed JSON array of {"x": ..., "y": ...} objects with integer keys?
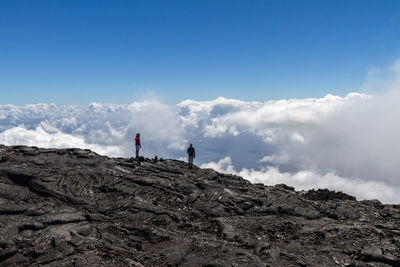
[{"x": 72, "y": 207}]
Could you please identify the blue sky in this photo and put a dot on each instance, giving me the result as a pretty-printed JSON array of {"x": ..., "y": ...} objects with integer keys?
[{"x": 77, "y": 52}]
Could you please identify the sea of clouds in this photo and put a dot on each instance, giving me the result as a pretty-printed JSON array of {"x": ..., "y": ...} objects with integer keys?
[
  {"x": 346, "y": 143},
  {"x": 342, "y": 143}
]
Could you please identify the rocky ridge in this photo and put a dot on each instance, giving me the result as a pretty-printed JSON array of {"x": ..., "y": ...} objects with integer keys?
[{"x": 72, "y": 207}]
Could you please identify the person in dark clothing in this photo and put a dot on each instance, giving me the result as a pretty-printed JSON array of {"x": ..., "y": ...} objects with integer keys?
[
  {"x": 192, "y": 154},
  {"x": 137, "y": 144}
]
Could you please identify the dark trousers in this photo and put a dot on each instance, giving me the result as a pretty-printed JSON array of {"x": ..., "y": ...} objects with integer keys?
[{"x": 190, "y": 161}]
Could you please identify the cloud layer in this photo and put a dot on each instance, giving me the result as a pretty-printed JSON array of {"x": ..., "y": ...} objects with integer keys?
[{"x": 342, "y": 143}]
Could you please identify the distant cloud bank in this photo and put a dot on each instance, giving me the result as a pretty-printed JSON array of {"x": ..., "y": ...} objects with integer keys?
[{"x": 342, "y": 143}]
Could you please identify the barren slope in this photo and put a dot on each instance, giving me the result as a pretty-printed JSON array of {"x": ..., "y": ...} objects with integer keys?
[{"x": 72, "y": 207}]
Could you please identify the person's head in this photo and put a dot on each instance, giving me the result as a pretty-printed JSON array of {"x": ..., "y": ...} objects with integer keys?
[
  {"x": 191, "y": 145},
  {"x": 138, "y": 135}
]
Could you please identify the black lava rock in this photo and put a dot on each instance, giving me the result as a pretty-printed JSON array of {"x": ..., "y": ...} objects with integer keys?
[{"x": 72, "y": 207}]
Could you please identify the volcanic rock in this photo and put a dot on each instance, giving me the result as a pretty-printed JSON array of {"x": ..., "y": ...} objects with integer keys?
[{"x": 73, "y": 207}]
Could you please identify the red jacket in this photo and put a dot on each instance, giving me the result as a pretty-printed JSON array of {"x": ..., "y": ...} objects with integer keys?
[{"x": 137, "y": 141}]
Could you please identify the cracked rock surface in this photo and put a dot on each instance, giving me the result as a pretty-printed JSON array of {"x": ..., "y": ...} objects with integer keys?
[{"x": 72, "y": 207}]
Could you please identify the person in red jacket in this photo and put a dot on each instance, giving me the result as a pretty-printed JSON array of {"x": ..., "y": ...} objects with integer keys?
[{"x": 137, "y": 144}]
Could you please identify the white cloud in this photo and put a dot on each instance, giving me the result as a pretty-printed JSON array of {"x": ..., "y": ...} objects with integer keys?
[
  {"x": 106, "y": 128},
  {"x": 307, "y": 179},
  {"x": 41, "y": 138},
  {"x": 344, "y": 143},
  {"x": 335, "y": 142}
]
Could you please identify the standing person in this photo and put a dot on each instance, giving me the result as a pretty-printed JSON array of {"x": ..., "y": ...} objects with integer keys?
[
  {"x": 137, "y": 144},
  {"x": 192, "y": 154}
]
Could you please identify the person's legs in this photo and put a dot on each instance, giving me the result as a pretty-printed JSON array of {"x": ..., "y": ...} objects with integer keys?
[
  {"x": 190, "y": 162},
  {"x": 137, "y": 151}
]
